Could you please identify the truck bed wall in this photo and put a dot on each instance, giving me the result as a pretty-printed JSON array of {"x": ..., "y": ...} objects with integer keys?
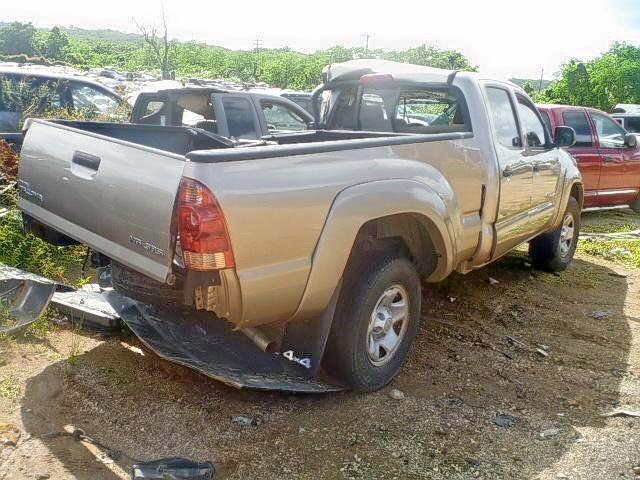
[{"x": 178, "y": 140}]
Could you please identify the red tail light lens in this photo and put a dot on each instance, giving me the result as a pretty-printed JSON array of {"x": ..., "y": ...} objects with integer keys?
[{"x": 203, "y": 231}]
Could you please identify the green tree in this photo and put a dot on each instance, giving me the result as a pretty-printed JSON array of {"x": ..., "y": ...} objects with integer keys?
[
  {"x": 17, "y": 38},
  {"x": 611, "y": 78},
  {"x": 53, "y": 44}
]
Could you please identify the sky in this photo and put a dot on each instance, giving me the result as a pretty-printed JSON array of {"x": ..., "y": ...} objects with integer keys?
[{"x": 503, "y": 38}]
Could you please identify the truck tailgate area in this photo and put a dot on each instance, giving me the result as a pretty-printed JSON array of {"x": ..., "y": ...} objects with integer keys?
[{"x": 115, "y": 196}]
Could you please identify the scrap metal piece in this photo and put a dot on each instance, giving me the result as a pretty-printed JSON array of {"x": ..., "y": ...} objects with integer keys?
[
  {"x": 210, "y": 345},
  {"x": 174, "y": 468},
  {"x": 23, "y": 298},
  {"x": 88, "y": 306}
]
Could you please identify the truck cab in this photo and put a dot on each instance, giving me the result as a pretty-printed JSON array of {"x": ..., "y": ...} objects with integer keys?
[{"x": 233, "y": 114}]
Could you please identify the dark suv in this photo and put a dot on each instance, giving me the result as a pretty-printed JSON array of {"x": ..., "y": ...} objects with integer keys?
[{"x": 31, "y": 92}]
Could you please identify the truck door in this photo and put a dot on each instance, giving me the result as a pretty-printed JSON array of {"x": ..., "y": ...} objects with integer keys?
[
  {"x": 620, "y": 174},
  {"x": 544, "y": 157},
  {"x": 516, "y": 170},
  {"x": 585, "y": 152}
]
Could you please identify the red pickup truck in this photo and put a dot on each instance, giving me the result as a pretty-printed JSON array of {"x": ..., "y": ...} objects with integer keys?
[{"x": 608, "y": 156}]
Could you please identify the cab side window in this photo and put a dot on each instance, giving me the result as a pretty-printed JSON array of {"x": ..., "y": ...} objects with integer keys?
[
  {"x": 610, "y": 133},
  {"x": 279, "y": 117},
  {"x": 534, "y": 130},
  {"x": 90, "y": 100},
  {"x": 578, "y": 121},
  {"x": 240, "y": 118},
  {"x": 504, "y": 120}
]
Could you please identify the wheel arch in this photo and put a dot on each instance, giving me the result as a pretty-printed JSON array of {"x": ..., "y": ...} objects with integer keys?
[{"x": 406, "y": 212}]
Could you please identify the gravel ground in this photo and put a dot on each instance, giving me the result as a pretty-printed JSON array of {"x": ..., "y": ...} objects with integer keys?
[{"x": 507, "y": 380}]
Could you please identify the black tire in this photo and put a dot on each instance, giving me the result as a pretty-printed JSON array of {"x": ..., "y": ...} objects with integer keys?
[
  {"x": 346, "y": 355},
  {"x": 135, "y": 285},
  {"x": 546, "y": 251},
  {"x": 635, "y": 206}
]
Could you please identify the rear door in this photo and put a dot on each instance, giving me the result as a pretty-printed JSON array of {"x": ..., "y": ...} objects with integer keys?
[
  {"x": 115, "y": 196},
  {"x": 585, "y": 151},
  {"x": 620, "y": 175}
]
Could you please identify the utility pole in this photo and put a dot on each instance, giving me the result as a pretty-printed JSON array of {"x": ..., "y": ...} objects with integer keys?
[
  {"x": 366, "y": 45},
  {"x": 258, "y": 49},
  {"x": 257, "y": 45},
  {"x": 541, "y": 77}
]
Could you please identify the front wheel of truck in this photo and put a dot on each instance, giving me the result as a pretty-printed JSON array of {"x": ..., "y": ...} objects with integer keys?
[
  {"x": 553, "y": 251},
  {"x": 375, "y": 322}
]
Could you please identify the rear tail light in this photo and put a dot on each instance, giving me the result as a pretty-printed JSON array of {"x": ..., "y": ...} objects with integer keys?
[{"x": 204, "y": 236}]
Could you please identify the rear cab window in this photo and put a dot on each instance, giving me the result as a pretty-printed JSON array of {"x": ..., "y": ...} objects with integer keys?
[
  {"x": 414, "y": 109},
  {"x": 577, "y": 120}
]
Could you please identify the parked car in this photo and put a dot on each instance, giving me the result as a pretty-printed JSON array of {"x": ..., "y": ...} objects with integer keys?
[
  {"x": 608, "y": 156},
  {"x": 237, "y": 114},
  {"x": 314, "y": 238},
  {"x": 629, "y": 121},
  {"x": 301, "y": 98},
  {"x": 25, "y": 91}
]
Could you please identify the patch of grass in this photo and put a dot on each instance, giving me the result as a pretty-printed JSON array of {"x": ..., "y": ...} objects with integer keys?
[
  {"x": 74, "y": 349},
  {"x": 626, "y": 252},
  {"x": 612, "y": 221},
  {"x": 9, "y": 388},
  {"x": 27, "y": 252}
]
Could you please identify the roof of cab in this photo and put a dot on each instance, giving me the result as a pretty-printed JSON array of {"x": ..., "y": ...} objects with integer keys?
[
  {"x": 354, "y": 69},
  {"x": 37, "y": 72}
]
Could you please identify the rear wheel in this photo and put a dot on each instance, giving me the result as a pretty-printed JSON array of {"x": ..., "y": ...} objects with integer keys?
[
  {"x": 553, "y": 251},
  {"x": 375, "y": 322}
]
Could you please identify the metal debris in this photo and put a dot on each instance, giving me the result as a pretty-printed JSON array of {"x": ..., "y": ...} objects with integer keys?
[
  {"x": 23, "y": 298},
  {"x": 504, "y": 420},
  {"x": 247, "y": 420},
  {"x": 624, "y": 413},
  {"x": 174, "y": 468}
]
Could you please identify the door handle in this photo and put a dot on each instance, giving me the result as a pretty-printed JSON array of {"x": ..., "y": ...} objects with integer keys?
[
  {"x": 86, "y": 160},
  {"x": 536, "y": 168},
  {"x": 507, "y": 172},
  {"x": 609, "y": 159}
]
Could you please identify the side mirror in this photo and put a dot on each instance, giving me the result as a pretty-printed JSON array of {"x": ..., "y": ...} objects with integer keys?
[
  {"x": 565, "y": 136},
  {"x": 630, "y": 140}
]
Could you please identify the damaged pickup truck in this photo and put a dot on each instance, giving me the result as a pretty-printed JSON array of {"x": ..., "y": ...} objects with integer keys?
[{"x": 312, "y": 243}]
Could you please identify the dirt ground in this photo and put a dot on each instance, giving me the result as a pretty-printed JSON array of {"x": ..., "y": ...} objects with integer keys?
[{"x": 508, "y": 380}]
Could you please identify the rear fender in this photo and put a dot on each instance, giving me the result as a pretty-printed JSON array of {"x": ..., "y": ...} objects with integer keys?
[{"x": 354, "y": 207}]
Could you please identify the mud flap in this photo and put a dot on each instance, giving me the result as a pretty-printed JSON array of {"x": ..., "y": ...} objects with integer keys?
[
  {"x": 305, "y": 340},
  {"x": 24, "y": 296},
  {"x": 210, "y": 346}
]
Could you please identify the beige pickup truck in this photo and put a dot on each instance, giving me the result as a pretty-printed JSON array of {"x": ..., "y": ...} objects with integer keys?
[{"x": 314, "y": 243}]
